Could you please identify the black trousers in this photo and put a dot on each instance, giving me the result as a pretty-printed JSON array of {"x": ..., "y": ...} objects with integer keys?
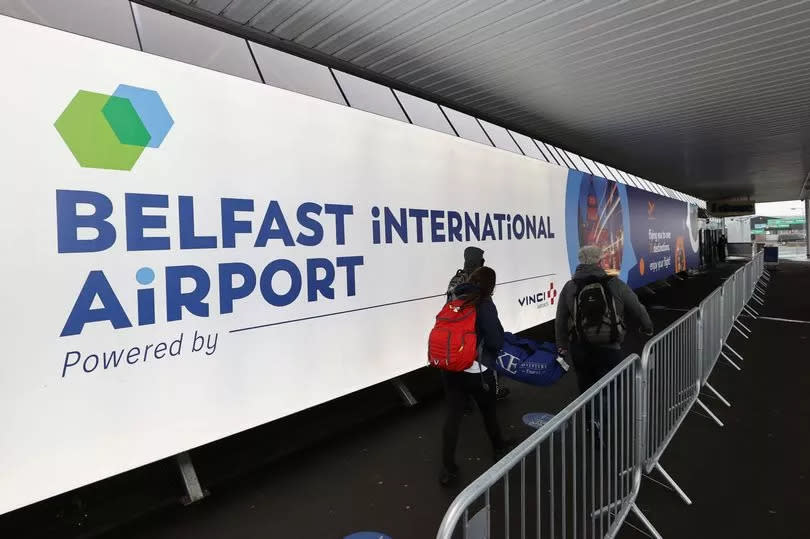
[
  {"x": 458, "y": 388},
  {"x": 591, "y": 363}
]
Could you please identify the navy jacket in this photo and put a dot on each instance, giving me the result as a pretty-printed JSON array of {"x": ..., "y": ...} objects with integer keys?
[{"x": 487, "y": 325}]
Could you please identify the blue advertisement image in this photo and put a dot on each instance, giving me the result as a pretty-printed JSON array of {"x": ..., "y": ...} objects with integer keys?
[
  {"x": 645, "y": 236},
  {"x": 664, "y": 237}
]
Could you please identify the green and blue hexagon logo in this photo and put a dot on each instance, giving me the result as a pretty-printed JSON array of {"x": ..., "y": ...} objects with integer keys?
[{"x": 112, "y": 131}]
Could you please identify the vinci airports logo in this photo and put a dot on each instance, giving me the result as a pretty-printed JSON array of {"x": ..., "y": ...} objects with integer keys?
[
  {"x": 112, "y": 131},
  {"x": 541, "y": 299}
]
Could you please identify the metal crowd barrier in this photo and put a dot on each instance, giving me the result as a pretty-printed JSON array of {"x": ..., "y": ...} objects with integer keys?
[
  {"x": 580, "y": 474},
  {"x": 719, "y": 316},
  {"x": 727, "y": 291},
  {"x": 739, "y": 291},
  {"x": 577, "y": 476},
  {"x": 671, "y": 375},
  {"x": 713, "y": 334}
]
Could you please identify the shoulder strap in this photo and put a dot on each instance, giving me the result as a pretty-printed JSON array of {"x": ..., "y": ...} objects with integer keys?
[
  {"x": 614, "y": 317},
  {"x": 585, "y": 281}
]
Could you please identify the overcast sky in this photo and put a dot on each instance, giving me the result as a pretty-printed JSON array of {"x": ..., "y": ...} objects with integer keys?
[{"x": 779, "y": 209}]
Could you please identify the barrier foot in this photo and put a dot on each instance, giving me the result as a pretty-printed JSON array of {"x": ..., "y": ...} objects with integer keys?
[
  {"x": 751, "y": 311},
  {"x": 746, "y": 328},
  {"x": 762, "y": 303},
  {"x": 729, "y": 360},
  {"x": 714, "y": 417},
  {"x": 741, "y": 332},
  {"x": 404, "y": 392},
  {"x": 194, "y": 491},
  {"x": 674, "y": 485},
  {"x": 720, "y": 397},
  {"x": 647, "y": 523},
  {"x": 733, "y": 351}
]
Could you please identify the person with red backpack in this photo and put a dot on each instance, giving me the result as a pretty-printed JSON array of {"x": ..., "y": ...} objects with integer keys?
[
  {"x": 473, "y": 259},
  {"x": 464, "y": 345},
  {"x": 590, "y": 322}
]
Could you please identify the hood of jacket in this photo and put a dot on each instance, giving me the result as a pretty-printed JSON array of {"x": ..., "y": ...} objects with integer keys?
[{"x": 585, "y": 271}]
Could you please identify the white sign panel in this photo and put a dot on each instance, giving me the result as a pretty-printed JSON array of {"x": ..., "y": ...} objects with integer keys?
[{"x": 188, "y": 255}]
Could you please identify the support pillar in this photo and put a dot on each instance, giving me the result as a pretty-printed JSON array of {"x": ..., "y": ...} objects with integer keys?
[
  {"x": 404, "y": 392},
  {"x": 194, "y": 491}
]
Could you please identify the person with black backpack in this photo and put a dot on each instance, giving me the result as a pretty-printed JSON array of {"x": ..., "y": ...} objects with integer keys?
[
  {"x": 473, "y": 259},
  {"x": 590, "y": 323}
]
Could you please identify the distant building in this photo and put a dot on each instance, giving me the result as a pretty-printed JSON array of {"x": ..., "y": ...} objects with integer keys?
[{"x": 781, "y": 229}]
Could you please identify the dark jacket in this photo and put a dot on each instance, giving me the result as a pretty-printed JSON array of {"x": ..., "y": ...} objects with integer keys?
[
  {"x": 626, "y": 303},
  {"x": 487, "y": 326}
]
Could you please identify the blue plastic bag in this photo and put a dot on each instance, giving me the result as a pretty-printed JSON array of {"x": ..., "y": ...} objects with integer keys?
[{"x": 529, "y": 361}]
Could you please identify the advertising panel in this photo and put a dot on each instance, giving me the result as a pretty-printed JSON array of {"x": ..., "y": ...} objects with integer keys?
[
  {"x": 645, "y": 236},
  {"x": 189, "y": 254}
]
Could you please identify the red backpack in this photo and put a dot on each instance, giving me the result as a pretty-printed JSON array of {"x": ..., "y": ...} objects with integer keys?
[{"x": 453, "y": 344}]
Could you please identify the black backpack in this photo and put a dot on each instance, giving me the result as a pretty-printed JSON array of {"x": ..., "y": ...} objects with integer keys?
[
  {"x": 596, "y": 321},
  {"x": 460, "y": 277}
]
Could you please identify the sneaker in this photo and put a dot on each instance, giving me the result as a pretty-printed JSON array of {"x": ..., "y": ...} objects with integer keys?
[{"x": 448, "y": 477}]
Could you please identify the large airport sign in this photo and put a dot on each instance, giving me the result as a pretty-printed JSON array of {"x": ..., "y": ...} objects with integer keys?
[{"x": 189, "y": 254}]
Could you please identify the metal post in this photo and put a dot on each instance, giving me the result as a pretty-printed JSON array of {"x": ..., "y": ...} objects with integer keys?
[
  {"x": 404, "y": 392},
  {"x": 194, "y": 491},
  {"x": 741, "y": 332},
  {"x": 734, "y": 351},
  {"x": 672, "y": 483},
  {"x": 647, "y": 523},
  {"x": 807, "y": 225},
  {"x": 729, "y": 360},
  {"x": 746, "y": 328},
  {"x": 705, "y": 409},
  {"x": 718, "y": 395}
]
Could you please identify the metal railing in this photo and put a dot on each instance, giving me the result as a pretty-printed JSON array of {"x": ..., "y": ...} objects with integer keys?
[
  {"x": 713, "y": 333},
  {"x": 739, "y": 291},
  {"x": 727, "y": 290},
  {"x": 577, "y": 476},
  {"x": 671, "y": 375},
  {"x": 580, "y": 474}
]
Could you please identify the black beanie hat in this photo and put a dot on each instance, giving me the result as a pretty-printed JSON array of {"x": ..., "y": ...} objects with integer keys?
[{"x": 473, "y": 258}]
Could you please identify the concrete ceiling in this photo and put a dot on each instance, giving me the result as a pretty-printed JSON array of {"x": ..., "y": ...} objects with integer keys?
[{"x": 708, "y": 97}]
